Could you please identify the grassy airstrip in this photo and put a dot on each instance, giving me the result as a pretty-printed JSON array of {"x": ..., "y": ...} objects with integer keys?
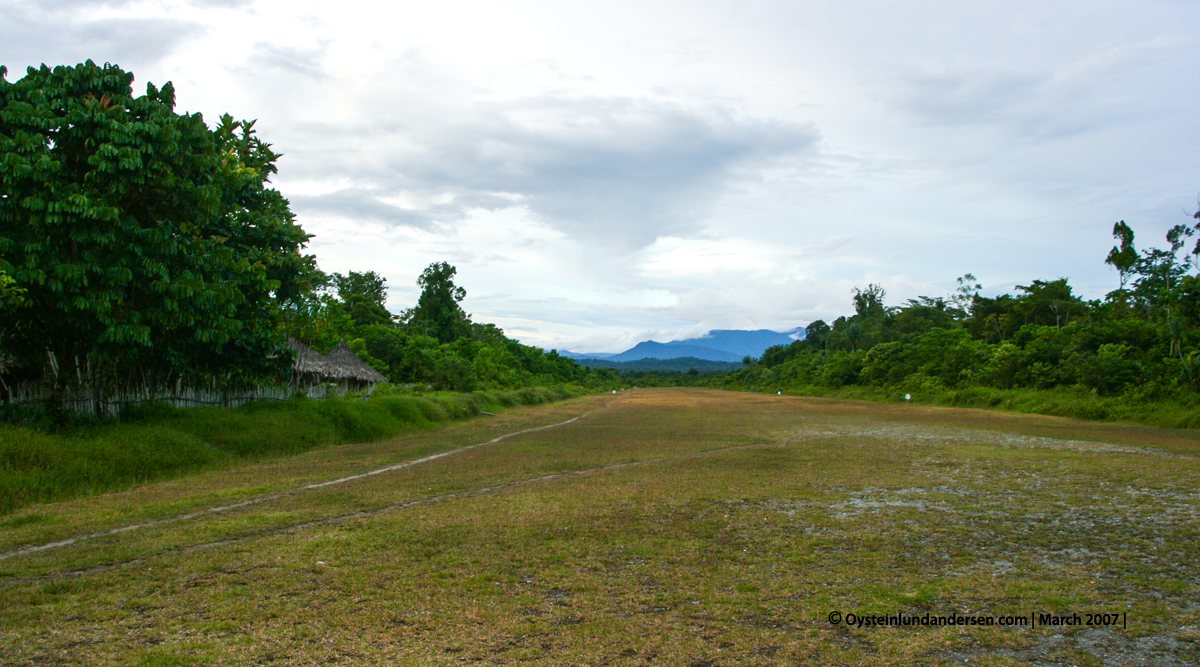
[{"x": 666, "y": 527}]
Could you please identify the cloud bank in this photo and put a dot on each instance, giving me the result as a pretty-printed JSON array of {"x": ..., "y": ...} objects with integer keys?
[{"x": 603, "y": 175}]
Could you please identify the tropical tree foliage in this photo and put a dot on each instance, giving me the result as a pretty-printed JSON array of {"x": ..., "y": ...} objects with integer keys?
[
  {"x": 10, "y": 294},
  {"x": 1143, "y": 337},
  {"x": 434, "y": 344},
  {"x": 438, "y": 313},
  {"x": 143, "y": 243}
]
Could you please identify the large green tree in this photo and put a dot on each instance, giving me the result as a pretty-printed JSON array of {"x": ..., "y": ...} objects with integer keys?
[
  {"x": 437, "y": 312},
  {"x": 363, "y": 296},
  {"x": 147, "y": 244}
]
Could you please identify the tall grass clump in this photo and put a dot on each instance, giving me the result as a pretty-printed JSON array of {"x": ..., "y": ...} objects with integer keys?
[
  {"x": 37, "y": 466},
  {"x": 47, "y": 461}
]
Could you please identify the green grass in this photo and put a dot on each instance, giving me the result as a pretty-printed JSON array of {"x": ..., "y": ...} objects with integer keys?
[
  {"x": 157, "y": 441},
  {"x": 665, "y": 527}
]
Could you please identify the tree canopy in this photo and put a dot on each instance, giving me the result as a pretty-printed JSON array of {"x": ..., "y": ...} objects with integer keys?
[
  {"x": 433, "y": 344},
  {"x": 1144, "y": 337},
  {"x": 141, "y": 239},
  {"x": 437, "y": 312},
  {"x": 363, "y": 295}
]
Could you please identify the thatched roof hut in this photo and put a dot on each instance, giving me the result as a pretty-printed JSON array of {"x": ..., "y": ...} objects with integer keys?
[
  {"x": 345, "y": 364},
  {"x": 340, "y": 366},
  {"x": 308, "y": 360}
]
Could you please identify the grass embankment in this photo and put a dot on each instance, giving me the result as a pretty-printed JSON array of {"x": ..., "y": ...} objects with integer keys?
[
  {"x": 41, "y": 464},
  {"x": 667, "y": 527},
  {"x": 1158, "y": 408}
]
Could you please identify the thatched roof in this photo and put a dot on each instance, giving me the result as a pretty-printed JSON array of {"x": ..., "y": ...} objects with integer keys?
[
  {"x": 345, "y": 364},
  {"x": 308, "y": 360},
  {"x": 340, "y": 364}
]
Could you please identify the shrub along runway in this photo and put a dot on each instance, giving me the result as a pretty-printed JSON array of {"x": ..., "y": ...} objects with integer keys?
[{"x": 677, "y": 527}]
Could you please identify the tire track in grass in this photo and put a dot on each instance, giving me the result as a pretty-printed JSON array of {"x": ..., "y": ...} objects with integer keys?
[
  {"x": 342, "y": 518},
  {"x": 36, "y": 548}
]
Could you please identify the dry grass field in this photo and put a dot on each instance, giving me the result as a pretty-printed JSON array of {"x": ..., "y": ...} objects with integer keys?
[{"x": 663, "y": 527}]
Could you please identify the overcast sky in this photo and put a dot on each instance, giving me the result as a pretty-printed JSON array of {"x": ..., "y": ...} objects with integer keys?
[{"x": 603, "y": 173}]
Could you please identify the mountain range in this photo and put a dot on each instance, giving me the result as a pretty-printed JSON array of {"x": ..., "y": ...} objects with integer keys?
[
  {"x": 717, "y": 345},
  {"x": 677, "y": 365}
]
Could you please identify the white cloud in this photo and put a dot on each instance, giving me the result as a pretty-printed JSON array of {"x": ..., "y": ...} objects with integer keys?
[{"x": 619, "y": 172}]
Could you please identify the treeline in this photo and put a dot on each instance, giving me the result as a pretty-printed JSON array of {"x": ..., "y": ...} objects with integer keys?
[
  {"x": 142, "y": 248},
  {"x": 1142, "y": 341},
  {"x": 434, "y": 344}
]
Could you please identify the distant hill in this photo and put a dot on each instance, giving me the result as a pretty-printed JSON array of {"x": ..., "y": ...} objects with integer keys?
[
  {"x": 652, "y": 350},
  {"x": 584, "y": 355},
  {"x": 728, "y": 345},
  {"x": 741, "y": 342},
  {"x": 676, "y": 365}
]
